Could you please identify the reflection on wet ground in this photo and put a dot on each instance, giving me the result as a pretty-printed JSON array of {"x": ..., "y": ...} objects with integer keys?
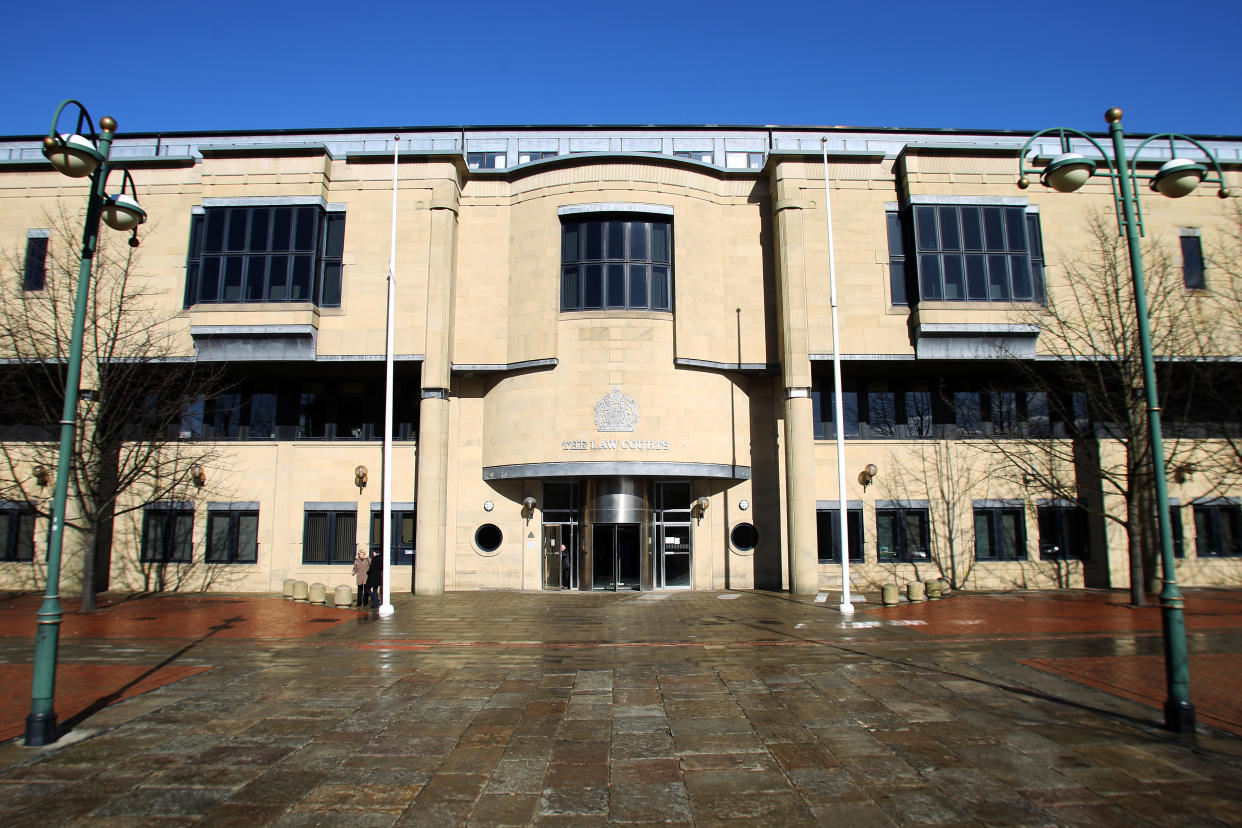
[{"x": 582, "y": 709}]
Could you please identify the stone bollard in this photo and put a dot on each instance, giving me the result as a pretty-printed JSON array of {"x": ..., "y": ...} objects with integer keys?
[
  {"x": 914, "y": 592},
  {"x": 287, "y": 589},
  {"x": 945, "y": 587},
  {"x": 300, "y": 590},
  {"x": 317, "y": 593},
  {"x": 890, "y": 595},
  {"x": 343, "y": 596},
  {"x": 933, "y": 590}
]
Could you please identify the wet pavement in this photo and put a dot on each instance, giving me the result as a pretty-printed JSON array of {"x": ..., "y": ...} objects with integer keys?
[{"x": 701, "y": 709}]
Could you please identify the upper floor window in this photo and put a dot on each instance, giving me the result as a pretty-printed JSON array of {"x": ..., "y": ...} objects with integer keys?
[
  {"x": 34, "y": 275},
  {"x": 1192, "y": 260},
  {"x": 744, "y": 160},
  {"x": 526, "y": 156},
  {"x": 616, "y": 262},
  {"x": 966, "y": 253},
  {"x": 706, "y": 156},
  {"x": 485, "y": 160},
  {"x": 265, "y": 254}
]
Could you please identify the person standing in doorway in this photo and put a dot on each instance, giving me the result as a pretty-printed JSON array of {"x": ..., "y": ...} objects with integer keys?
[{"x": 362, "y": 564}]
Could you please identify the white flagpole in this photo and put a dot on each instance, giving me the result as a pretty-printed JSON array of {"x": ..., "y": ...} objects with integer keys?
[
  {"x": 847, "y": 606},
  {"x": 386, "y": 607}
]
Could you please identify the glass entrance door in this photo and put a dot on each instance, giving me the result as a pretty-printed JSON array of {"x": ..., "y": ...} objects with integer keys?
[{"x": 615, "y": 554}]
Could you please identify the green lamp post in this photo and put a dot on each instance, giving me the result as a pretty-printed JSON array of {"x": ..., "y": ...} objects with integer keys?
[
  {"x": 1176, "y": 178},
  {"x": 77, "y": 157}
]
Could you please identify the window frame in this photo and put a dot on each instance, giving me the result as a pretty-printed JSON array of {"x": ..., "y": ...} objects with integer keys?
[
  {"x": 995, "y": 514},
  {"x": 1194, "y": 269},
  {"x": 233, "y": 514},
  {"x": 827, "y": 533},
  {"x": 234, "y": 267},
  {"x": 333, "y": 515},
  {"x": 1070, "y": 534},
  {"x": 176, "y": 549},
  {"x": 34, "y": 265},
  {"x": 594, "y": 277},
  {"x": 1211, "y": 515},
  {"x": 901, "y": 513},
  {"x": 17, "y": 538},
  {"x": 983, "y": 238}
]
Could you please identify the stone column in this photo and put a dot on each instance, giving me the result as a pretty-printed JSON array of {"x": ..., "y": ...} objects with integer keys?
[
  {"x": 432, "y": 529},
  {"x": 790, "y": 255}
]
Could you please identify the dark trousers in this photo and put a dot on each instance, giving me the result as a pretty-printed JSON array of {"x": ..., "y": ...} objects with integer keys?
[
  {"x": 373, "y": 596},
  {"x": 362, "y": 595}
]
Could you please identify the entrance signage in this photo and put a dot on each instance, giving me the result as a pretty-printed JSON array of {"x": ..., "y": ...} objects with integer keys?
[{"x": 615, "y": 411}]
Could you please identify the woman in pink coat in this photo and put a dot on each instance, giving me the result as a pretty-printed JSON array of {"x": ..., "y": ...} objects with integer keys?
[{"x": 361, "y": 562}]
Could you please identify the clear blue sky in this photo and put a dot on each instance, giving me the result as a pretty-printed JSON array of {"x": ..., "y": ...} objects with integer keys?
[{"x": 285, "y": 65}]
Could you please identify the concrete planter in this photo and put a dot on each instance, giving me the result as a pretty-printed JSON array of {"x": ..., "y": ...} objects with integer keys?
[
  {"x": 915, "y": 593},
  {"x": 317, "y": 593},
  {"x": 934, "y": 590},
  {"x": 343, "y": 596},
  {"x": 300, "y": 591},
  {"x": 287, "y": 588},
  {"x": 890, "y": 595}
]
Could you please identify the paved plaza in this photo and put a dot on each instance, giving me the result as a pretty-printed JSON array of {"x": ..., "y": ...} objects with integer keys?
[{"x": 581, "y": 709}]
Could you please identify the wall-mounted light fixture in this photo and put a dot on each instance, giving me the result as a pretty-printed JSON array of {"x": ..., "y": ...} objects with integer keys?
[
  {"x": 360, "y": 478},
  {"x": 867, "y": 476},
  {"x": 488, "y": 505},
  {"x": 198, "y": 475},
  {"x": 698, "y": 508},
  {"x": 41, "y": 476},
  {"x": 528, "y": 507},
  {"x": 1184, "y": 472}
]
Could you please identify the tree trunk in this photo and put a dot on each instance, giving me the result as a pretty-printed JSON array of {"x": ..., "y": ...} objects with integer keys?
[
  {"x": 1134, "y": 541},
  {"x": 88, "y": 572}
]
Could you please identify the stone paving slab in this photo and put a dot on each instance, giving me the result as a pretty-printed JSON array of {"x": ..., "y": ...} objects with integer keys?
[{"x": 633, "y": 709}]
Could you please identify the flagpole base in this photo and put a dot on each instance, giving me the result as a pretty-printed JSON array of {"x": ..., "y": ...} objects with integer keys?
[
  {"x": 386, "y": 610},
  {"x": 846, "y": 608}
]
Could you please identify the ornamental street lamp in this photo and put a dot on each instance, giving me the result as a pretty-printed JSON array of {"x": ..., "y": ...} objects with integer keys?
[
  {"x": 77, "y": 157},
  {"x": 1179, "y": 177}
]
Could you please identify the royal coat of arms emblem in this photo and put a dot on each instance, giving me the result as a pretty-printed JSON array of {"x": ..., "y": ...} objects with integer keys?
[{"x": 616, "y": 411}]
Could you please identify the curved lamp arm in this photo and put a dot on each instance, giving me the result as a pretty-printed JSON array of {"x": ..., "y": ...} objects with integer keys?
[
  {"x": 1064, "y": 134},
  {"x": 1173, "y": 138}
]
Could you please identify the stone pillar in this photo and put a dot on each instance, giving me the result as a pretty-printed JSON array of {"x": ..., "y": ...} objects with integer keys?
[
  {"x": 787, "y": 205},
  {"x": 432, "y": 533}
]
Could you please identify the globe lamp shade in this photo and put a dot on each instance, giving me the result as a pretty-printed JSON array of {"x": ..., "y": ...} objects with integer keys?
[
  {"x": 1178, "y": 178},
  {"x": 72, "y": 155},
  {"x": 1067, "y": 172},
  {"x": 121, "y": 212}
]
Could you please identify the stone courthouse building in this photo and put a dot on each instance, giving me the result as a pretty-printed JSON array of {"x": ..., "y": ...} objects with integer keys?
[{"x": 613, "y": 360}]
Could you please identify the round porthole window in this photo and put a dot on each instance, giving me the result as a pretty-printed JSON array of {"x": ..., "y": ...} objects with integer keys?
[
  {"x": 488, "y": 538},
  {"x": 744, "y": 537}
]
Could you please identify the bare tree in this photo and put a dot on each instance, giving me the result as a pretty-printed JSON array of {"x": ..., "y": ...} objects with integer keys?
[
  {"x": 1094, "y": 427},
  {"x": 126, "y": 449}
]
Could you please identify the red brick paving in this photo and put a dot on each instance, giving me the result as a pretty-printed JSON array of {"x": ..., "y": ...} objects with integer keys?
[
  {"x": 1215, "y": 682},
  {"x": 178, "y": 617},
  {"x": 78, "y": 686}
]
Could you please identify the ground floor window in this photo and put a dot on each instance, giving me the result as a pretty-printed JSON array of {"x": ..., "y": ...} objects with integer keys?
[
  {"x": 1063, "y": 532},
  {"x": 16, "y": 532},
  {"x": 1218, "y": 529},
  {"x": 232, "y": 534},
  {"x": 901, "y": 533},
  {"x": 828, "y": 531},
  {"x": 403, "y": 533},
  {"x": 1000, "y": 533},
  {"x": 167, "y": 533},
  {"x": 329, "y": 535}
]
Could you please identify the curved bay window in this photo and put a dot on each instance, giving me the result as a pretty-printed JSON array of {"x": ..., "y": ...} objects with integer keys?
[{"x": 616, "y": 262}]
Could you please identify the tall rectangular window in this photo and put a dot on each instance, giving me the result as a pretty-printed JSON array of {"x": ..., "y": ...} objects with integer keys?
[
  {"x": 828, "y": 534},
  {"x": 403, "y": 533},
  {"x": 34, "y": 274},
  {"x": 167, "y": 533},
  {"x": 1000, "y": 534},
  {"x": 901, "y": 533},
  {"x": 329, "y": 535},
  {"x": 898, "y": 292},
  {"x": 1218, "y": 529},
  {"x": 973, "y": 253},
  {"x": 232, "y": 534},
  {"x": 265, "y": 254},
  {"x": 1063, "y": 532},
  {"x": 1192, "y": 261},
  {"x": 616, "y": 262},
  {"x": 17, "y": 526}
]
